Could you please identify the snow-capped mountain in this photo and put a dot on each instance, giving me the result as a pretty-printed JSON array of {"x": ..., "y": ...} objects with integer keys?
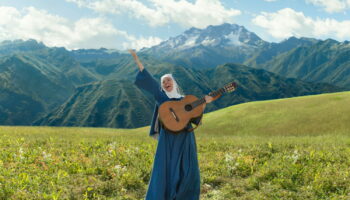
[
  {"x": 217, "y": 45},
  {"x": 209, "y": 47},
  {"x": 225, "y": 35}
]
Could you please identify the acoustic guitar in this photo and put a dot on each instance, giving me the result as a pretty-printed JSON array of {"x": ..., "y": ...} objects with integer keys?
[{"x": 175, "y": 115}]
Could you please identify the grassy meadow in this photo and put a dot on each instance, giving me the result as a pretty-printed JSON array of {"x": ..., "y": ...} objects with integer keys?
[{"x": 297, "y": 148}]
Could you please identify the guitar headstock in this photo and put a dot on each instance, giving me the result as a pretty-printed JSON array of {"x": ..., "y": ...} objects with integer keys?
[
  {"x": 230, "y": 87},
  {"x": 227, "y": 88}
]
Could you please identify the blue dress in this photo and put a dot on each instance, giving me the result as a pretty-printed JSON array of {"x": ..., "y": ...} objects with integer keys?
[{"x": 175, "y": 174}]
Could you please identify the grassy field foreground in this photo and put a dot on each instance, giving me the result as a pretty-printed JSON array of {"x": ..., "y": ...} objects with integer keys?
[{"x": 296, "y": 148}]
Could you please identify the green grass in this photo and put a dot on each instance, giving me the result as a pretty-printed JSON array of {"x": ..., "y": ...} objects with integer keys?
[
  {"x": 300, "y": 116},
  {"x": 296, "y": 148}
]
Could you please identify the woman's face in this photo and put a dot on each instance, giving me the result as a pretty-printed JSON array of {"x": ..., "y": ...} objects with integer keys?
[{"x": 168, "y": 84}]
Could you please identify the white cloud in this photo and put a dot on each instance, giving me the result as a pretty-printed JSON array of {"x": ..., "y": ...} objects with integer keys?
[
  {"x": 199, "y": 14},
  {"x": 287, "y": 22},
  {"x": 331, "y": 6},
  {"x": 139, "y": 43},
  {"x": 270, "y": 0},
  {"x": 53, "y": 30}
]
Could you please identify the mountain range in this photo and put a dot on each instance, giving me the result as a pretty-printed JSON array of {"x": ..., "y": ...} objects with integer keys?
[
  {"x": 116, "y": 103},
  {"x": 324, "y": 61},
  {"x": 54, "y": 86}
]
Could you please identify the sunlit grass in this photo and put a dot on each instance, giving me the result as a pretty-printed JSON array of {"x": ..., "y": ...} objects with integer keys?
[
  {"x": 296, "y": 148},
  {"x": 308, "y": 115}
]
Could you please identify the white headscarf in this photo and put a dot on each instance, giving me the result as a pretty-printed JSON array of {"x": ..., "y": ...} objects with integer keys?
[{"x": 175, "y": 93}]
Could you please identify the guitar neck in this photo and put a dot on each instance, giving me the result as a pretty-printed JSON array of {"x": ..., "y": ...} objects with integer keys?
[{"x": 212, "y": 94}]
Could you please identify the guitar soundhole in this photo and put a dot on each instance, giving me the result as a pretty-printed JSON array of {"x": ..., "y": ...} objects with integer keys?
[{"x": 188, "y": 107}]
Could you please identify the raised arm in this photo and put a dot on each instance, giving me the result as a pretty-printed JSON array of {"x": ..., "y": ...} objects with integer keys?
[
  {"x": 136, "y": 58},
  {"x": 145, "y": 81}
]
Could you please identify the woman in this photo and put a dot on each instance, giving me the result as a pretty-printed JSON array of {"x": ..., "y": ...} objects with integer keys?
[{"x": 175, "y": 174}]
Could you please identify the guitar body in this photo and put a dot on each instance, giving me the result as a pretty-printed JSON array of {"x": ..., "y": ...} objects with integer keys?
[{"x": 175, "y": 115}]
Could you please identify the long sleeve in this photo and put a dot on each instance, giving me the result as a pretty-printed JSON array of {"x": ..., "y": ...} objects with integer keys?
[
  {"x": 155, "y": 126},
  {"x": 145, "y": 81}
]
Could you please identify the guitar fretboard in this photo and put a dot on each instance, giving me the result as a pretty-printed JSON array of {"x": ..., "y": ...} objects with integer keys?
[{"x": 202, "y": 100}]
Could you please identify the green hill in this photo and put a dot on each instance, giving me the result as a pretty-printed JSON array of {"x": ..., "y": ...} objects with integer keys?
[
  {"x": 35, "y": 79},
  {"x": 315, "y": 115},
  {"x": 299, "y": 116},
  {"x": 115, "y": 103},
  {"x": 29, "y": 89},
  {"x": 110, "y": 103},
  {"x": 16, "y": 108},
  {"x": 325, "y": 61}
]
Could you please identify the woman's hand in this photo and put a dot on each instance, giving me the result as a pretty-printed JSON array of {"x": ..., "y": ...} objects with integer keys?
[
  {"x": 208, "y": 99},
  {"x": 136, "y": 58}
]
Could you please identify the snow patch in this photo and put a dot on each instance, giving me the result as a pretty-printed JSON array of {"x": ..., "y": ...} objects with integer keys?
[
  {"x": 234, "y": 39},
  {"x": 189, "y": 42},
  {"x": 209, "y": 42}
]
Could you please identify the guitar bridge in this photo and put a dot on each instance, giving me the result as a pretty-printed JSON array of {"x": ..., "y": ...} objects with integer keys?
[{"x": 174, "y": 115}]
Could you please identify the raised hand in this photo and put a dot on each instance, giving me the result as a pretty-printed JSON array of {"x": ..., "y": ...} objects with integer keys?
[
  {"x": 208, "y": 99},
  {"x": 136, "y": 58}
]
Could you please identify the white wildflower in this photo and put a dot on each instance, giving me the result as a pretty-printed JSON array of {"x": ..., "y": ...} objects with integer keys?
[
  {"x": 112, "y": 145},
  {"x": 228, "y": 158},
  {"x": 295, "y": 156},
  {"x": 46, "y": 156},
  {"x": 119, "y": 168},
  {"x": 20, "y": 153},
  {"x": 206, "y": 185}
]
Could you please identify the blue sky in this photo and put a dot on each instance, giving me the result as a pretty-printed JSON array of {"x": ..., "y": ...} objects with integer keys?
[{"x": 121, "y": 24}]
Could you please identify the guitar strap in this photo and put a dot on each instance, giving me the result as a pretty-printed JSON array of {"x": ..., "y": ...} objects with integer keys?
[{"x": 193, "y": 128}]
